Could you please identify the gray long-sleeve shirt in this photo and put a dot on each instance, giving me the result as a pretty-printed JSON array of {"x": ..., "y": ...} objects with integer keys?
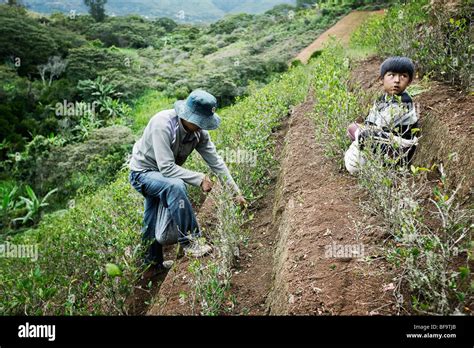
[{"x": 165, "y": 145}]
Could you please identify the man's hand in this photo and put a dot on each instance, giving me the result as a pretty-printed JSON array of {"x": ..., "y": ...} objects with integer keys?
[
  {"x": 206, "y": 184},
  {"x": 240, "y": 200}
]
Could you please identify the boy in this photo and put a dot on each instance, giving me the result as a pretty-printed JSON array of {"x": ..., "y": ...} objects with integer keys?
[{"x": 392, "y": 122}]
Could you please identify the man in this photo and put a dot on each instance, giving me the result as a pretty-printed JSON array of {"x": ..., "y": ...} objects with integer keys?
[{"x": 156, "y": 172}]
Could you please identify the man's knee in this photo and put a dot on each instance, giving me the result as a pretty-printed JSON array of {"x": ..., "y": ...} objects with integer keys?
[
  {"x": 176, "y": 185},
  {"x": 157, "y": 187}
]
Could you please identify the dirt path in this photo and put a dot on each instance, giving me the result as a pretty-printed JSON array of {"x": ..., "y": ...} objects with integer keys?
[
  {"x": 318, "y": 213},
  {"x": 252, "y": 279},
  {"x": 174, "y": 294},
  {"x": 285, "y": 269},
  {"x": 342, "y": 30}
]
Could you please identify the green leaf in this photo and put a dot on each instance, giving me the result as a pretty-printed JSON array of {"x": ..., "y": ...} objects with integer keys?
[
  {"x": 461, "y": 296},
  {"x": 464, "y": 272},
  {"x": 113, "y": 270}
]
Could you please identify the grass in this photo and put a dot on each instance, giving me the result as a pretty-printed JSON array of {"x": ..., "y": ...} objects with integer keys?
[{"x": 147, "y": 106}]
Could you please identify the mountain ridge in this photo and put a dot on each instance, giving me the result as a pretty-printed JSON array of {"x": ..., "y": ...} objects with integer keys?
[{"x": 178, "y": 10}]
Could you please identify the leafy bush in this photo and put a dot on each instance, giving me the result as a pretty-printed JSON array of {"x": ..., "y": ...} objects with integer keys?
[
  {"x": 147, "y": 106},
  {"x": 104, "y": 226},
  {"x": 127, "y": 32},
  {"x": 85, "y": 63},
  {"x": 9, "y": 201},
  {"x": 14, "y": 103},
  {"x": 26, "y": 163},
  {"x": 33, "y": 205},
  {"x": 208, "y": 49},
  {"x": 74, "y": 247},
  {"x": 231, "y": 23},
  {"x": 166, "y": 23},
  {"x": 335, "y": 108},
  {"x": 47, "y": 165},
  {"x": 25, "y": 43},
  {"x": 436, "y": 38}
]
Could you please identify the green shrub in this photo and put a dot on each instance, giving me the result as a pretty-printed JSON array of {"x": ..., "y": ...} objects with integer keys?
[
  {"x": 436, "y": 38},
  {"x": 147, "y": 106},
  {"x": 127, "y": 32},
  {"x": 166, "y": 23},
  {"x": 27, "y": 162},
  {"x": 25, "y": 43},
  {"x": 33, "y": 205},
  {"x": 57, "y": 166},
  {"x": 335, "y": 108},
  {"x": 104, "y": 96},
  {"x": 209, "y": 49},
  {"x": 85, "y": 63},
  {"x": 74, "y": 247},
  {"x": 231, "y": 23}
]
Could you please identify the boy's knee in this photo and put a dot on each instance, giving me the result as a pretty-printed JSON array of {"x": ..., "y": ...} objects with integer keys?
[{"x": 353, "y": 159}]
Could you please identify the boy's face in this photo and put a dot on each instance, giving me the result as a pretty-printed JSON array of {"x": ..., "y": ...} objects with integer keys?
[{"x": 395, "y": 83}]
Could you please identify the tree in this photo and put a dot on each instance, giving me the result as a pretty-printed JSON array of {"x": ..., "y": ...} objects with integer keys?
[
  {"x": 24, "y": 52},
  {"x": 96, "y": 9},
  {"x": 306, "y": 3},
  {"x": 55, "y": 67},
  {"x": 14, "y": 3},
  {"x": 85, "y": 63},
  {"x": 166, "y": 23}
]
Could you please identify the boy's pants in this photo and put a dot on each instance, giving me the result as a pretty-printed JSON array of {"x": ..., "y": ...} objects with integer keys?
[
  {"x": 353, "y": 158},
  {"x": 169, "y": 217}
]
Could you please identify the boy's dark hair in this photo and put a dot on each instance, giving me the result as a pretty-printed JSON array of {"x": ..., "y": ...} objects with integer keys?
[{"x": 398, "y": 65}]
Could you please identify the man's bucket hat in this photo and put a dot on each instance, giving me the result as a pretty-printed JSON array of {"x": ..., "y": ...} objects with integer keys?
[{"x": 199, "y": 109}]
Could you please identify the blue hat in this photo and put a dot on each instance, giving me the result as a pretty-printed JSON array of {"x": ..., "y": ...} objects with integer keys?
[{"x": 199, "y": 109}]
